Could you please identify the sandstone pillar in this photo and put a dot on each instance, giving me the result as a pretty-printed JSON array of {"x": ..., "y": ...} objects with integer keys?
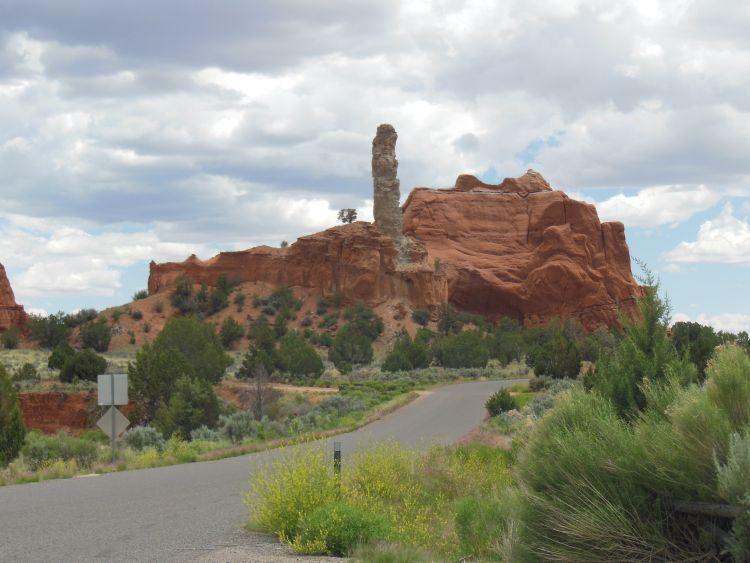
[{"x": 386, "y": 186}]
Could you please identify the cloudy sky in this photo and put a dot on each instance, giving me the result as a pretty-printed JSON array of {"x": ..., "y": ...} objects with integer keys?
[{"x": 132, "y": 131}]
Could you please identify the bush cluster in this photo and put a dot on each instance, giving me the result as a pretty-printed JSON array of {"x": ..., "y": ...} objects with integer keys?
[
  {"x": 12, "y": 430},
  {"x": 501, "y": 401},
  {"x": 204, "y": 302},
  {"x": 40, "y": 450},
  {"x": 172, "y": 378}
]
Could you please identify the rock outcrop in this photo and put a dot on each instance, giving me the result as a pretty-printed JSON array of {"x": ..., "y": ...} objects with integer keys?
[
  {"x": 522, "y": 250},
  {"x": 518, "y": 249},
  {"x": 358, "y": 260},
  {"x": 385, "y": 182},
  {"x": 11, "y": 313}
]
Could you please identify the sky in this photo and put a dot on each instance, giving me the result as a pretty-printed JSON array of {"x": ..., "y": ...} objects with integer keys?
[{"x": 138, "y": 131}]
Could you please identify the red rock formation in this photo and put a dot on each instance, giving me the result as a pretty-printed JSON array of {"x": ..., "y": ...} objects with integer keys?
[
  {"x": 357, "y": 260},
  {"x": 11, "y": 313},
  {"x": 516, "y": 249},
  {"x": 522, "y": 250},
  {"x": 52, "y": 411}
]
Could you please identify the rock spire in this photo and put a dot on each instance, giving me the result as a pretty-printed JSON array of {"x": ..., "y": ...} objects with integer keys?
[{"x": 386, "y": 186}]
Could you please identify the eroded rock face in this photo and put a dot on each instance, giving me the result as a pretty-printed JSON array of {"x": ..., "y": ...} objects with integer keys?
[
  {"x": 11, "y": 313},
  {"x": 520, "y": 249},
  {"x": 386, "y": 185},
  {"x": 358, "y": 260}
]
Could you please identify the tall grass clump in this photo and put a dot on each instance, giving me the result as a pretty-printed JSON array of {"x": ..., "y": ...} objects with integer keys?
[{"x": 599, "y": 486}]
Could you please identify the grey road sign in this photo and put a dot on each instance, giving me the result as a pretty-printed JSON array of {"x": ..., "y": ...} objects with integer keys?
[
  {"x": 121, "y": 422},
  {"x": 105, "y": 394}
]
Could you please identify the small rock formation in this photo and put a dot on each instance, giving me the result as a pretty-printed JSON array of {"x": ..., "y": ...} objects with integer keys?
[
  {"x": 11, "y": 313},
  {"x": 386, "y": 185}
]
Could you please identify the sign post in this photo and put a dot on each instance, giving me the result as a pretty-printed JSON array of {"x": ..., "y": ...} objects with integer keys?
[{"x": 113, "y": 390}]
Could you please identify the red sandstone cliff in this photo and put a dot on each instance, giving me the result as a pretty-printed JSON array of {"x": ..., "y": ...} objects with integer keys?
[
  {"x": 516, "y": 249},
  {"x": 356, "y": 259},
  {"x": 11, "y": 313},
  {"x": 520, "y": 249}
]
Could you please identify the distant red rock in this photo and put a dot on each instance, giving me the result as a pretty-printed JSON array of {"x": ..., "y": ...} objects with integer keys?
[
  {"x": 518, "y": 249},
  {"x": 11, "y": 313}
]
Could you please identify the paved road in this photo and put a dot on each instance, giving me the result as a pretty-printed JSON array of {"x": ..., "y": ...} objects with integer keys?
[{"x": 183, "y": 512}]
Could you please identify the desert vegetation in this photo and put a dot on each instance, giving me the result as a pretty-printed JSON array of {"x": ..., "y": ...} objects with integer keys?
[
  {"x": 649, "y": 430},
  {"x": 650, "y": 448}
]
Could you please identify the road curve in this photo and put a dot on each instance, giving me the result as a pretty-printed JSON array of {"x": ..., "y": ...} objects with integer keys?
[{"x": 183, "y": 512}]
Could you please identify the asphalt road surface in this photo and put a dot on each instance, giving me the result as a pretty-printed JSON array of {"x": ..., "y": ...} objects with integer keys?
[{"x": 183, "y": 512}]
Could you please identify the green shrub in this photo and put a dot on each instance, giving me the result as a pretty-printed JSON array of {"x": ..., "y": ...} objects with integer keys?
[
  {"x": 734, "y": 475},
  {"x": 12, "y": 430},
  {"x": 558, "y": 358},
  {"x": 192, "y": 404},
  {"x": 200, "y": 345},
  {"x": 240, "y": 425},
  {"x": 421, "y": 316},
  {"x": 182, "y": 295},
  {"x": 49, "y": 331},
  {"x": 463, "y": 350},
  {"x": 363, "y": 321},
  {"x": 696, "y": 340},
  {"x": 644, "y": 353},
  {"x": 329, "y": 321},
  {"x": 262, "y": 334},
  {"x": 255, "y": 360},
  {"x": 61, "y": 354},
  {"x": 323, "y": 305},
  {"x": 336, "y": 529},
  {"x": 205, "y": 434},
  {"x": 239, "y": 301},
  {"x": 158, "y": 306},
  {"x": 500, "y": 401},
  {"x": 78, "y": 318},
  {"x": 84, "y": 366},
  {"x": 11, "y": 338},
  {"x": 482, "y": 524},
  {"x": 449, "y": 320},
  {"x": 381, "y": 552},
  {"x": 396, "y": 360},
  {"x": 140, "y": 294},
  {"x": 40, "y": 450},
  {"x": 288, "y": 489},
  {"x": 96, "y": 335},
  {"x": 231, "y": 332},
  {"x": 298, "y": 358},
  {"x": 136, "y": 315},
  {"x": 27, "y": 372},
  {"x": 350, "y": 349},
  {"x": 407, "y": 354},
  {"x": 728, "y": 384},
  {"x": 141, "y": 438}
]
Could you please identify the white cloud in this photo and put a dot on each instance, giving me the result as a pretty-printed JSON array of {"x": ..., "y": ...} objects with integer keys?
[
  {"x": 725, "y": 239},
  {"x": 730, "y": 322},
  {"x": 254, "y": 125},
  {"x": 51, "y": 258},
  {"x": 659, "y": 205}
]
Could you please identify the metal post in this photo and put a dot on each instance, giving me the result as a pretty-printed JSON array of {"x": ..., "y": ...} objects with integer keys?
[
  {"x": 337, "y": 465},
  {"x": 112, "y": 389}
]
